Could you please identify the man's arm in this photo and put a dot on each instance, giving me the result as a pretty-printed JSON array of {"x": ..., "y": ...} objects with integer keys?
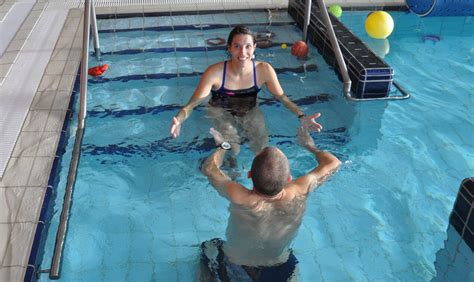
[
  {"x": 327, "y": 164},
  {"x": 227, "y": 188}
]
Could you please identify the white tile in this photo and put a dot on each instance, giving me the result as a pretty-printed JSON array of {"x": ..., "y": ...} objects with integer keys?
[
  {"x": 22, "y": 34},
  {"x": 77, "y": 43},
  {"x": 65, "y": 42},
  {"x": 74, "y": 55},
  {"x": 8, "y": 57},
  {"x": 71, "y": 67},
  {"x": 78, "y": 13},
  {"x": 49, "y": 82},
  {"x": 17, "y": 172},
  {"x": 5, "y": 231},
  {"x": 55, "y": 67},
  {"x": 43, "y": 100},
  {"x": 27, "y": 144},
  {"x": 59, "y": 55},
  {"x": 40, "y": 171},
  {"x": 10, "y": 200},
  {"x": 104, "y": 10},
  {"x": 19, "y": 245},
  {"x": 14, "y": 273},
  {"x": 31, "y": 204},
  {"x": 36, "y": 120},
  {"x": 15, "y": 45},
  {"x": 47, "y": 146},
  {"x": 55, "y": 121},
  {"x": 4, "y": 69},
  {"x": 12, "y": 23},
  {"x": 31, "y": 20},
  {"x": 61, "y": 101},
  {"x": 72, "y": 22},
  {"x": 67, "y": 82}
]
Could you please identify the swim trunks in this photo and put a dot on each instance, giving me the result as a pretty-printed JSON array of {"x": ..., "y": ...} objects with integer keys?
[
  {"x": 237, "y": 102},
  {"x": 212, "y": 255}
]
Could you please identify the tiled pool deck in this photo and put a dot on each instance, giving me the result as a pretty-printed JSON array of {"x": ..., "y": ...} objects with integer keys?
[{"x": 43, "y": 64}]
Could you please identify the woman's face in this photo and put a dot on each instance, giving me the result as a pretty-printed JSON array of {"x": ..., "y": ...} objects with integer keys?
[{"x": 242, "y": 48}]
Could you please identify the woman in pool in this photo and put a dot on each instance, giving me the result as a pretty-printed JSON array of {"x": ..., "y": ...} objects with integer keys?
[{"x": 234, "y": 85}]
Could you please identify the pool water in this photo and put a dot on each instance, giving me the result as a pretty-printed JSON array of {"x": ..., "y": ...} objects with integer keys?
[{"x": 141, "y": 207}]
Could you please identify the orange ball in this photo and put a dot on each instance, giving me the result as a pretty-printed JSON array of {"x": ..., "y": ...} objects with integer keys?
[{"x": 299, "y": 49}]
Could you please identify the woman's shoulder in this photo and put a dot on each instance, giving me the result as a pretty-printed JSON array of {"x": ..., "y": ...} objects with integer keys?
[
  {"x": 263, "y": 66},
  {"x": 217, "y": 67}
]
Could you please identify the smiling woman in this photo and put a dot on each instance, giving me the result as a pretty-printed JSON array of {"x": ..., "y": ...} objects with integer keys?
[{"x": 234, "y": 86}]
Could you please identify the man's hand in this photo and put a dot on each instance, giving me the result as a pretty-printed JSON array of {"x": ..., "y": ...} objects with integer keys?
[
  {"x": 175, "y": 127},
  {"x": 218, "y": 138},
  {"x": 304, "y": 139},
  {"x": 310, "y": 124}
]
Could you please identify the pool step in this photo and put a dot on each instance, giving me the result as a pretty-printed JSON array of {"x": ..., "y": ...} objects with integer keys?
[{"x": 371, "y": 76}]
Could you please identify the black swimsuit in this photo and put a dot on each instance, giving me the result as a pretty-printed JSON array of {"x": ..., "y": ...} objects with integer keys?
[{"x": 237, "y": 102}]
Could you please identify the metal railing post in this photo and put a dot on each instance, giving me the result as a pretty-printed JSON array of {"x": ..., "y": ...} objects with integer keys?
[
  {"x": 95, "y": 32},
  {"x": 84, "y": 63},
  {"x": 307, "y": 19},
  {"x": 54, "y": 272},
  {"x": 336, "y": 48}
]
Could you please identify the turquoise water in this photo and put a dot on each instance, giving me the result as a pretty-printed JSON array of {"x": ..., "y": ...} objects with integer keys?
[{"x": 141, "y": 206}]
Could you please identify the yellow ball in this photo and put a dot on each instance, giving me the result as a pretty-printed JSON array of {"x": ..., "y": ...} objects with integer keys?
[
  {"x": 379, "y": 24},
  {"x": 283, "y": 46}
]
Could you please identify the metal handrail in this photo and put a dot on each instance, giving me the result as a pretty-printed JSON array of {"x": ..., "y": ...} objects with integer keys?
[
  {"x": 307, "y": 19},
  {"x": 95, "y": 33},
  {"x": 335, "y": 47},
  {"x": 54, "y": 272},
  {"x": 405, "y": 95}
]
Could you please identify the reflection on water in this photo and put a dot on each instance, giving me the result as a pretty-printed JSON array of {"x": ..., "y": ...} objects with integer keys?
[{"x": 380, "y": 47}]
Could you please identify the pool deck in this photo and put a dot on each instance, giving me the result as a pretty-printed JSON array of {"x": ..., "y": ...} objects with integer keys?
[{"x": 40, "y": 51}]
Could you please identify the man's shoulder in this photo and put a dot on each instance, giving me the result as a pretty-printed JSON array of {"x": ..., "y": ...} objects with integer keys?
[
  {"x": 293, "y": 190},
  {"x": 238, "y": 193}
]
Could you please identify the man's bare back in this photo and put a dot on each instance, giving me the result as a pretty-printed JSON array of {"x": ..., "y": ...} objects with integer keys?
[{"x": 261, "y": 235}]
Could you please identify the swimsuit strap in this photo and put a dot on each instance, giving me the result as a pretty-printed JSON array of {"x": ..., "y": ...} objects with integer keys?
[
  {"x": 255, "y": 75},
  {"x": 223, "y": 76}
]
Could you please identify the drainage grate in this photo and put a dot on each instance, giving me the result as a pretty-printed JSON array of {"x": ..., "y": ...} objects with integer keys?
[{"x": 174, "y": 3}]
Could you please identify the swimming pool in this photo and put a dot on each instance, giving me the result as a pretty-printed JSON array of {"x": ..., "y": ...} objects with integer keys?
[{"x": 141, "y": 206}]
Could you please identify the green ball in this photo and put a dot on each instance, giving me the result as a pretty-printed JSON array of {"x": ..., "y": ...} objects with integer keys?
[{"x": 336, "y": 10}]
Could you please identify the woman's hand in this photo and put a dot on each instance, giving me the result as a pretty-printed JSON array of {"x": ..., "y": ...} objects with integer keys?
[
  {"x": 175, "y": 127},
  {"x": 309, "y": 122}
]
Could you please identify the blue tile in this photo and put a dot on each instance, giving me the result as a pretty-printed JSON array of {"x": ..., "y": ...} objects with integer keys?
[{"x": 30, "y": 274}]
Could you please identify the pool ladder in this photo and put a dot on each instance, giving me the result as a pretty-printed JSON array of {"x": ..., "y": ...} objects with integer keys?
[
  {"x": 90, "y": 22},
  {"x": 340, "y": 60}
]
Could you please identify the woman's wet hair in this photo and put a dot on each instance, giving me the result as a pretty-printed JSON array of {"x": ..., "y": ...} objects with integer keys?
[
  {"x": 270, "y": 171},
  {"x": 240, "y": 29}
]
